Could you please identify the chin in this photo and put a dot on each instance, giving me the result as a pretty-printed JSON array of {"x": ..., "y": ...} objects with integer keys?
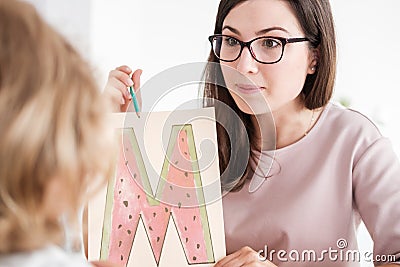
[{"x": 251, "y": 104}]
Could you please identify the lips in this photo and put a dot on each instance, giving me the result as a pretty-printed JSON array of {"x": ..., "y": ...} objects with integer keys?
[{"x": 249, "y": 88}]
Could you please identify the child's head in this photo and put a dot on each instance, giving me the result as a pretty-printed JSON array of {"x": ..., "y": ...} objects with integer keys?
[{"x": 54, "y": 140}]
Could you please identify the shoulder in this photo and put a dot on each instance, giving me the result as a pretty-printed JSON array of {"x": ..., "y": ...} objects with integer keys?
[
  {"x": 346, "y": 131},
  {"x": 49, "y": 256},
  {"x": 351, "y": 122}
]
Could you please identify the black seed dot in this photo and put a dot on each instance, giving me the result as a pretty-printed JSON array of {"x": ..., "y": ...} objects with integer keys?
[
  {"x": 134, "y": 175},
  {"x": 120, "y": 226},
  {"x": 170, "y": 187},
  {"x": 194, "y": 258},
  {"x": 158, "y": 239},
  {"x": 186, "y": 174},
  {"x": 154, "y": 214},
  {"x": 130, "y": 216},
  {"x": 129, "y": 232},
  {"x": 185, "y": 228},
  {"x": 166, "y": 210},
  {"x": 119, "y": 192},
  {"x": 194, "y": 217},
  {"x": 122, "y": 180},
  {"x": 151, "y": 229},
  {"x": 126, "y": 203},
  {"x": 176, "y": 162},
  {"x": 138, "y": 196},
  {"x": 198, "y": 246},
  {"x": 187, "y": 194},
  {"x": 185, "y": 153},
  {"x": 179, "y": 205},
  {"x": 126, "y": 162},
  {"x": 187, "y": 239},
  {"x": 122, "y": 258},
  {"x": 120, "y": 243}
]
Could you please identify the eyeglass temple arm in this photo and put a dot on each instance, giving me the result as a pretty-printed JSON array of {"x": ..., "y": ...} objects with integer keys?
[{"x": 296, "y": 40}]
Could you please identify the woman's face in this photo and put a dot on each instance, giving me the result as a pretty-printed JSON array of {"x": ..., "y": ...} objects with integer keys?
[{"x": 278, "y": 84}]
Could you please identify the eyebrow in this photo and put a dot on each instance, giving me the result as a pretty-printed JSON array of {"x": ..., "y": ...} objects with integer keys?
[{"x": 264, "y": 31}]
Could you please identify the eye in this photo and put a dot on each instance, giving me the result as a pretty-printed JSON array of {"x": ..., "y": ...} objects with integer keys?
[
  {"x": 230, "y": 41},
  {"x": 271, "y": 43}
]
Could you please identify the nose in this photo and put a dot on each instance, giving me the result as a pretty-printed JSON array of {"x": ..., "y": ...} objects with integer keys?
[{"x": 246, "y": 63}]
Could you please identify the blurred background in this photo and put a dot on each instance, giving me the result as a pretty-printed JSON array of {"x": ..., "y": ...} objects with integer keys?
[{"x": 155, "y": 35}]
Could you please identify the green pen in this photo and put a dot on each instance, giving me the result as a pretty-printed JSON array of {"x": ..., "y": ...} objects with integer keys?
[{"x": 135, "y": 101}]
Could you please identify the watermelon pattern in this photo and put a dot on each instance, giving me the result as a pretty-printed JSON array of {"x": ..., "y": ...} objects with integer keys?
[{"x": 179, "y": 194}]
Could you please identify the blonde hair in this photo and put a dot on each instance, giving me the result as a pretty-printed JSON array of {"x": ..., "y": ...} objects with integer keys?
[{"x": 52, "y": 126}]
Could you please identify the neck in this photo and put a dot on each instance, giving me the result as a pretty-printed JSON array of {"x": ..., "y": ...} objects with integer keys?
[{"x": 292, "y": 122}]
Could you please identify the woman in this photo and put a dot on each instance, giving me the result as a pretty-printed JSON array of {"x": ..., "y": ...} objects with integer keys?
[{"x": 331, "y": 166}]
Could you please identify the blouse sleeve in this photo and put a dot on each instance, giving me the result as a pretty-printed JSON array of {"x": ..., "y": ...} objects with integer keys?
[{"x": 376, "y": 188}]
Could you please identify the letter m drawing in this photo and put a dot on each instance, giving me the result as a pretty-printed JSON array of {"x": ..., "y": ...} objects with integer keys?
[{"x": 179, "y": 195}]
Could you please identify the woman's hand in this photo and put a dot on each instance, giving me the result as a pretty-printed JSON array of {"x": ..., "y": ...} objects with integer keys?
[
  {"x": 244, "y": 257},
  {"x": 103, "y": 264},
  {"x": 116, "y": 89}
]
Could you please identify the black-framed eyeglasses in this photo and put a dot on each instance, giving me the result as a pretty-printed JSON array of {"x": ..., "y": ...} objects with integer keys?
[{"x": 266, "y": 49}]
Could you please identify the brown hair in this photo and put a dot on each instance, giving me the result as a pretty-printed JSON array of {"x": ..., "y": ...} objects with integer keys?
[
  {"x": 315, "y": 18},
  {"x": 52, "y": 128}
]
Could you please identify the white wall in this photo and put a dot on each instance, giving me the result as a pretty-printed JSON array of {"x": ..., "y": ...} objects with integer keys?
[
  {"x": 369, "y": 60},
  {"x": 153, "y": 35},
  {"x": 71, "y": 18}
]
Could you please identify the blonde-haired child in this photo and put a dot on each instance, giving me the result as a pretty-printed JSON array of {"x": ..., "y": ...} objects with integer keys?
[{"x": 54, "y": 141}]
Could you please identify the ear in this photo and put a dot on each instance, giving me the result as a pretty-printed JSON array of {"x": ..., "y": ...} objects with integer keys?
[{"x": 313, "y": 60}]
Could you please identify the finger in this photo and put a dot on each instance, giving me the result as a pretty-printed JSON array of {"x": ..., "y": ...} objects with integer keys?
[
  {"x": 114, "y": 83},
  {"x": 259, "y": 263},
  {"x": 116, "y": 99},
  {"x": 245, "y": 256},
  {"x": 136, "y": 80},
  {"x": 126, "y": 106},
  {"x": 122, "y": 76},
  {"x": 253, "y": 260},
  {"x": 240, "y": 257},
  {"x": 235, "y": 262},
  {"x": 227, "y": 259},
  {"x": 104, "y": 264},
  {"x": 125, "y": 69}
]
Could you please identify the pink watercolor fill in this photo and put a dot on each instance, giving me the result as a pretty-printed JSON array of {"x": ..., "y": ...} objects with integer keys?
[
  {"x": 129, "y": 203},
  {"x": 186, "y": 211}
]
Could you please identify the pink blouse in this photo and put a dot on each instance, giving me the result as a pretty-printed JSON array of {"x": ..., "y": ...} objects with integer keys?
[{"x": 307, "y": 211}]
